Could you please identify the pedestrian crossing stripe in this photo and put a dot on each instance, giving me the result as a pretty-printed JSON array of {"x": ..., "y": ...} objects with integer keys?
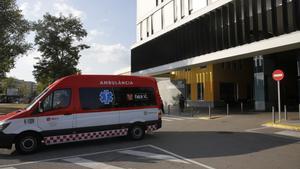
[
  {"x": 153, "y": 156},
  {"x": 79, "y": 160},
  {"x": 90, "y": 164}
]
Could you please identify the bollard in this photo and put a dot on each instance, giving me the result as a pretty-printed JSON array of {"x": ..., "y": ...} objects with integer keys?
[
  {"x": 285, "y": 113},
  {"x": 169, "y": 109},
  {"x": 273, "y": 115},
  {"x": 209, "y": 111},
  {"x": 242, "y": 107},
  {"x": 227, "y": 109}
]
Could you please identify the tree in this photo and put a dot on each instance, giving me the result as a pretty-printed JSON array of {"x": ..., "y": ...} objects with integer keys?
[
  {"x": 13, "y": 28},
  {"x": 58, "y": 40},
  {"x": 8, "y": 83}
]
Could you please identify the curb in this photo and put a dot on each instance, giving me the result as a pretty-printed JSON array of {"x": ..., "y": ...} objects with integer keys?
[{"x": 282, "y": 126}]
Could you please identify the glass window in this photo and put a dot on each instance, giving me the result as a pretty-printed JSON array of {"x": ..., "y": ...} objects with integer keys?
[
  {"x": 57, "y": 100},
  {"x": 182, "y": 8},
  {"x": 61, "y": 98},
  {"x": 141, "y": 31},
  {"x": 97, "y": 98},
  {"x": 47, "y": 103},
  {"x": 200, "y": 90},
  {"x": 175, "y": 10},
  {"x": 132, "y": 97},
  {"x": 188, "y": 91},
  {"x": 190, "y": 6}
]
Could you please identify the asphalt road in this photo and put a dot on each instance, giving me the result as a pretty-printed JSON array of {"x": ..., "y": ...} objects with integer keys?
[{"x": 232, "y": 142}]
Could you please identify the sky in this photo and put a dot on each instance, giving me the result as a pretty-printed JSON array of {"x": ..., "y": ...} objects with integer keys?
[{"x": 111, "y": 32}]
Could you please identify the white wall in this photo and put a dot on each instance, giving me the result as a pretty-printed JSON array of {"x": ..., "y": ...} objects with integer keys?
[
  {"x": 144, "y": 7},
  {"x": 157, "y": 21},
  {"x": 149, "y": 8},
  {"x": 199, "y": 4},
  {"x": 168, "y": 11}
]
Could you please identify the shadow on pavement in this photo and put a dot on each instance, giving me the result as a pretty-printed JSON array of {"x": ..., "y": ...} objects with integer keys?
[{"x": 186, "y": 144}]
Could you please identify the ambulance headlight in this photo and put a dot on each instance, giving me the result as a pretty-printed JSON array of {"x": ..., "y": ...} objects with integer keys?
[{"x": 3, "y": 126}]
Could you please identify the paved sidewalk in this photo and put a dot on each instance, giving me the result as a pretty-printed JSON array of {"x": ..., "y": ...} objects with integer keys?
[{"x": 289, "y": 125}]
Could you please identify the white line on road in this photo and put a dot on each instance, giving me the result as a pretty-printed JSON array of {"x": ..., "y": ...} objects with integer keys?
[
  {"x": 153, "y": 156},
  {"x": 166, "y": 119},
  {"x": 80, "y": 155},
  {"x": 8, "y": 168},
  {"x": 90, "y": 164},
  {"x": 289, "y": 133},
  {"x": 255, "y": 129},
  {"x": 181, "y": 157},
  {"x": 182, "y": 117},
  {"x": 173, "y": 118}
]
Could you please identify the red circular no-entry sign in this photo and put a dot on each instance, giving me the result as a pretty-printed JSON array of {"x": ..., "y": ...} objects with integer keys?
[{"x": 278, "y": 75}]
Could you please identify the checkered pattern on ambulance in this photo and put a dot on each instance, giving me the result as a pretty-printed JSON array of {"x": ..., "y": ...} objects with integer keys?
[{"x": 85, "y": 136}]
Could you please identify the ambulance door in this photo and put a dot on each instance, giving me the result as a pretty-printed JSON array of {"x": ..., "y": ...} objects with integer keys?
[{"x": 56, "y": 112}]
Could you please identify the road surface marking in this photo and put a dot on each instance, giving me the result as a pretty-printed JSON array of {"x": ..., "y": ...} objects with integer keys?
[
  {"x": 289, "y": 133},
  {"x": 8, "y": 168},
  {"x": 164, "y": 119},
  {"x": 154, "y": 156},
  {"x": 255, "y": 129},
  {"x": 80, "y": 155},
  {"x": 181, "y": 157},
  {"x": 173, "y": 118},
  {"x": 90, "y": 164},
  {"x": 183, "y": 117}
]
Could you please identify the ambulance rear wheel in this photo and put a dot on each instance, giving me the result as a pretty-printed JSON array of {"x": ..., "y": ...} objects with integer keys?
[
  {"x": 27, "y": 143},
  {"x": 137, "y": 132}
]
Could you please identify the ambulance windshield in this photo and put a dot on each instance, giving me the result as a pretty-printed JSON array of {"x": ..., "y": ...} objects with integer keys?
[{"x": 33, "y": 102}]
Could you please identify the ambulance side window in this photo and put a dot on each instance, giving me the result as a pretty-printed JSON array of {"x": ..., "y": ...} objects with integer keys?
[
  {"x": 47, "y": 103},
  {"x": 61, "y": 98},
  {"x": 57, "y": 100},
  {"x": 96, "y": 98},
  {"x": 134, "y": 97}
]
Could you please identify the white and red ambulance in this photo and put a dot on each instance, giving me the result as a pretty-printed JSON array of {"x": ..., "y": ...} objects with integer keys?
[{"x": 84, "y": 107}]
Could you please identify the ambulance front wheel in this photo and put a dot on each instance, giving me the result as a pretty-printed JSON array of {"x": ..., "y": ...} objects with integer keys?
[
  {"x": 137, "y": 132},
  {"x": 27, "y": 143}
]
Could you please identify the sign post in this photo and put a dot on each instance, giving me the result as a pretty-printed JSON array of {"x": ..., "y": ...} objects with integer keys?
[{"x": 278, "y": 75}]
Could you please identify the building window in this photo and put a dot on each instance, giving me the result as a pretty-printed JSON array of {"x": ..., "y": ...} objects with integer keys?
[
  {"x": 182, "y": 8},
  {"x": 141, "y": 33},
  {"x": 152, "y": 31},
  {"x": 175, "y": 10},
  {"x": 200, "y": 91},
  {"x": 147, "y": 25},
  {"x": 188, "y": 92},
  {"x": 162, "y": 18},
  {"x": 156, "y": 2},
  {"x": 190, "y": 6}
]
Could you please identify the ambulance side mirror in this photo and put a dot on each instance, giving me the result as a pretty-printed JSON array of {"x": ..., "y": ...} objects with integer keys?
[{"x": 41, "y": 109}]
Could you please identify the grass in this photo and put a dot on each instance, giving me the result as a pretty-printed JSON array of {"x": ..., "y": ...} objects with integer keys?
[{"x": 6, "y": 108}]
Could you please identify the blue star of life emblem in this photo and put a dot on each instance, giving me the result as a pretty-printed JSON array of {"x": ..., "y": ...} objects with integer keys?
[{"x": 106, "y": 97}]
